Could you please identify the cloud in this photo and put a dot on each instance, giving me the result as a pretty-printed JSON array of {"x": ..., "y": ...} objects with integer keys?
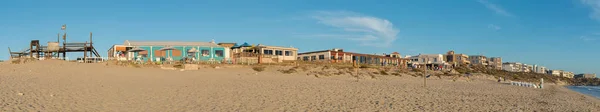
[
  {"x": 595, "y": 6},
  {"x": 587, "y": 39},
  {"x": 497, "y": 9},
  {"x": 495, "y": 27},
  {"x": 368, "y": 30}
]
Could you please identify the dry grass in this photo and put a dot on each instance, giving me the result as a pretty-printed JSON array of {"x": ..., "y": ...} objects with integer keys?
[
  {"x": 383, "y": 72},
  {"x": 289, "y": 71},
  {"x": 259, "y": 68},
  {"x": 179, "y": 66},
  {"x": 17, "y": 61}
]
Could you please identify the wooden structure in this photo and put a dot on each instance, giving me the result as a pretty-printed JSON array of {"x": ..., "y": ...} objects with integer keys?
[{"x": 53, "y": 49}]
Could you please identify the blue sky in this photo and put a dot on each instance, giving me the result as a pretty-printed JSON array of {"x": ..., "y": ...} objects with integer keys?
[{"x": 559, "y": 34}]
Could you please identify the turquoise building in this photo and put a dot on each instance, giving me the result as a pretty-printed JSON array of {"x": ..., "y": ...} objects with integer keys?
[{"x": 164, "y": 50}]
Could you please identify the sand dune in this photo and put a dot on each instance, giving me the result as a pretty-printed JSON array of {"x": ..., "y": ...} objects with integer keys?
[{"x": 65, "y": 86}]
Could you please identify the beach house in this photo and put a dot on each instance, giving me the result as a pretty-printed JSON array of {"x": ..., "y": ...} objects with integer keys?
[
  {"x": 247, "y": 53},
  {"x": 167, "y": 51},
  {"x": 340, "y": 56},
  {"x": 429, "y": 61}
]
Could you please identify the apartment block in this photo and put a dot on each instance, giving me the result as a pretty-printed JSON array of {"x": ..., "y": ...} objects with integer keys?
[
  {"x": 478, "y": 60},
  {"x": 585, "y": 76},
  {"x": 555, "y": 72},
  {"x": 539, "y": 69},
  {"x": 456, "y": 59},
  {"x": 495, "y": 62},
  {"x": 512, "y": 66}
]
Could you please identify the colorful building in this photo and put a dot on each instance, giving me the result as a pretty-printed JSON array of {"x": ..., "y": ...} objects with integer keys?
[{"x": 168, "y": 50}]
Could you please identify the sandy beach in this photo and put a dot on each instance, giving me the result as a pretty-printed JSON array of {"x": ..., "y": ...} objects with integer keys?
[{"x": 67, "y": 86}]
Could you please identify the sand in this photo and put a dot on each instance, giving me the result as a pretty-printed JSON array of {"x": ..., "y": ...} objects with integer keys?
[{"x": 68, "y": 86}]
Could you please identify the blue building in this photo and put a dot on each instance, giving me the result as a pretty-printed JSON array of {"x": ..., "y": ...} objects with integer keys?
[{"x": 162, "y": 50}]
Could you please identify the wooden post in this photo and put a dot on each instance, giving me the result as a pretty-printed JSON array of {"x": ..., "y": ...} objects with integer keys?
[
  {"x": 91, "y": 44},
  {"x": 9, "y": 53},
  {"x": 85, "y": 52},
  {"x": 58, "y": 42},
  {"x": 425, "y": 74},
  {"x": 64, "y": 46},
  {"x": 31, "y": 50}
]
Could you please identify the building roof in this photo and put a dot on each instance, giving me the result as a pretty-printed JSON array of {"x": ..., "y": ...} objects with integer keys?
[{"x": 168, "y": 43}]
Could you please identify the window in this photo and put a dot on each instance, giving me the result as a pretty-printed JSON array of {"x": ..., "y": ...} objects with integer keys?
[
  {"x": 305, "y": 58},
  {"x": 205, "y": 53},
  {"x": 313, "y": 58},
  {"x": 288, "y": 53},
  {"x": 434, "y": 59},
  {"x": 278, "y": 53},
  {"x": 269, "y": 52},
  {"x": 219, "y": 53},
  {"x": 321, "y": 57},
  {"x": 340, "y": 58},
  {"x": 176, "y": 53},
  {"x": 332, "y": 57}
]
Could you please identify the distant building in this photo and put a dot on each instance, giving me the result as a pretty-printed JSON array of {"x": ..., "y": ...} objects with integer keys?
[
  {"x": 539, "y": 69},
  {"x": 456, "y": 59},
  {"x": 526, "y": 68},
  {"x": 555, "y": 73},
  {"x": 495, "y": 62},
  {"x": 585, "y": 76},
  {"x": 568, "y": 74},
  {"x": 429, "y": 60},
  {"x": 478, "y": 60},
  {"x": 512, "y": 66}
]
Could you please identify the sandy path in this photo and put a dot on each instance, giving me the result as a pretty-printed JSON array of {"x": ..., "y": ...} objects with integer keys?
[{"x": 96, "y": 87}]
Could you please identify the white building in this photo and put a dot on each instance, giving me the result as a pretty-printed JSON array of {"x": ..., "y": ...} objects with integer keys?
[
  {"x": 555, "y": 72},
  {"x": 568, "y": 74},
  {"x": 428, "y": 59},
  {"x": 512, "y": 66},
  {"x": 539, "y": 69}
]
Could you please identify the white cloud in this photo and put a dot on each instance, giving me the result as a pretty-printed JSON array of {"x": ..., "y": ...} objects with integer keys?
[
  {"x": 587, "y": 39},
  {"x": 495, "y": 27},
  {"x": 497, "y": 9},
  {"x": 595, "y": 6},
  {"x": 368, "y": 30}
]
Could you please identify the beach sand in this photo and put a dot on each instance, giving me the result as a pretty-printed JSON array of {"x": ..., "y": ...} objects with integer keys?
[{"x": 67, "y": 86}]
